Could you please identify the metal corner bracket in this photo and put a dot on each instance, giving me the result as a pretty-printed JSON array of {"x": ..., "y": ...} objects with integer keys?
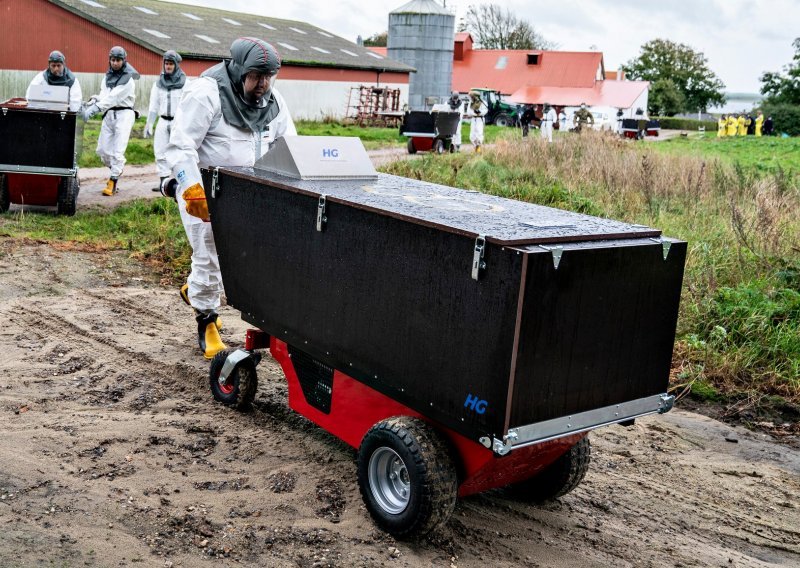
[
  {"x": 556, "y": 251},
  {"x": 478, "y": 263}
]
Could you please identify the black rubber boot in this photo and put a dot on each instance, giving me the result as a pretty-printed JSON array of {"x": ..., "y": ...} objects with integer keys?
[
  {"x": 160, "y": 185},
  {"x": 184, "y": 292}
]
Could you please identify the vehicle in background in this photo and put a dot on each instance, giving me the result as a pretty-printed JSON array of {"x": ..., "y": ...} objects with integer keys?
[{"x": 500, "y": 112}]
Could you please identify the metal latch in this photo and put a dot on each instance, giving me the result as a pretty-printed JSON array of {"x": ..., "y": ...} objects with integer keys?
[
  {"x": 665, "y": 246},
  {"x": 556, "y": 251},
  {"x": 321, "y": 217},
  {"x": 478, "y": 263},
  {"x": 214, "y": 182}
]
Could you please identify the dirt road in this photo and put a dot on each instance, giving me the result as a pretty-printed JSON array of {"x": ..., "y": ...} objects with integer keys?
[{"x": 114, "y": 454}]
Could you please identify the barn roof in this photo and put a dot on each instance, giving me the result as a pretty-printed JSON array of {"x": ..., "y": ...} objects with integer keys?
[
  {"x": 207, "y": 33},
  {"x": 617, "y": 94},
  {"x": 507, "y": 70}
]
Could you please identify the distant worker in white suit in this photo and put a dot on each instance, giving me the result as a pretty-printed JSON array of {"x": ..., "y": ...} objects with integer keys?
[
  {"x": 58, "y": 74},
  {"x": 116, "y": 99},
  {"x": 164, "y": 98},
  {"x": 230, "y": 116},
  {"x": 548, "y": 120},
  {"x": 478, "y": 111}
]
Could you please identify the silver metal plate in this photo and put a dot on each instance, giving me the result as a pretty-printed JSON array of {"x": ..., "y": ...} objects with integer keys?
[
  {"x": 559, "y": 427},
  {"x": 318, "y": 158},
  {"x": 38, "y": 170}
]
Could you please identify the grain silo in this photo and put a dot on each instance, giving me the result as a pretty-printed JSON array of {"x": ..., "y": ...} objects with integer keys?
[{"x": 421, "y": 35}]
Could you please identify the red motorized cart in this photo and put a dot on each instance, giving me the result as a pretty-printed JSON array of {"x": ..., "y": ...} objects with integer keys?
[
  {"x": 428, "y": 131},
  {"x": 460, "y": 341},
  {"x": 38, "y": 156}
]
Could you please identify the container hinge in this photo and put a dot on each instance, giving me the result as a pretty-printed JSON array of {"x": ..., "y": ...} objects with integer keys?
[
  {"x": 665, "y": 246},
  {"x": 321, "y": 217},
  {"x": 556, "y": 251},
  {"x": 63, "y": 115},
  {"x": 478, "y": 263},
  {"x": 214, "y": 182},
  {"x": 5, "y": 111}
]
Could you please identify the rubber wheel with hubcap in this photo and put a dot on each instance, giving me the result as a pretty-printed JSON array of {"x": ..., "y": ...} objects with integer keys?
[
  {"x": 502, "y": 119},
  {"x": 557, "y": 479},
  {"x": 239, "y": 390},
  {"x": 407, "y": 477},
  {"x": 411, "y": 148},
  {"x": 438, "y": 146}
]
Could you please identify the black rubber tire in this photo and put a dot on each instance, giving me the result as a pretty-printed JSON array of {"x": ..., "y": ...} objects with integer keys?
[
  {"x": 503, "y": 119},
  {"x": 438, "y": 146},
  {"x": 243, "y": 380},
  {"x": 68, "y": 189},
  {"x": 5, "y": 199},
  {"x": 557, "y": 479},
  {"x": 411, "y": 148},
  {"x": 432, "y": 476}
]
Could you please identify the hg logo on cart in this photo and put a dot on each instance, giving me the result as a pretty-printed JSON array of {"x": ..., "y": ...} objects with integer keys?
[
  {"x": 476, "y": 404},
  {"x": 330, "y": 153}
]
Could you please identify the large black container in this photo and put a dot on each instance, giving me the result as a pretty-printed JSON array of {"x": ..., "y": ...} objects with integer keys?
[
  {"x": 568, "y": 314},
  {"x": 34, "y": 139}
]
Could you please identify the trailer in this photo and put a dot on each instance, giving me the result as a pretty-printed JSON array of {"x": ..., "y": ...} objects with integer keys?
[
  {"x": 430, "y": 131},
  {"x": 639, "y": 128},
  {"x": 459, "y": 341},
  {"x": 39, "y": 149}
]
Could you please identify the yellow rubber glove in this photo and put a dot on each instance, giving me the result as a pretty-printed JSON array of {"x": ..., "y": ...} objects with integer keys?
[{"x": 196, "y": 205}]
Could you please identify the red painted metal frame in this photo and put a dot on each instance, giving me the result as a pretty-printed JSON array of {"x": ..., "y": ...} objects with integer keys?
[
  {"x": 355, "y": 408},
  {"x": 32, "y": 189},
  {"x": 423, "y": 144}
]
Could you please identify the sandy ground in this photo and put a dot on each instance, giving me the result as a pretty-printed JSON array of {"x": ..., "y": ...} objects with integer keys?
[{"x": 115, "y": 454}]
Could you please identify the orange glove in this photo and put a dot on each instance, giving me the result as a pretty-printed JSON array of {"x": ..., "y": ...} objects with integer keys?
[{"x": 196, "y": 205}]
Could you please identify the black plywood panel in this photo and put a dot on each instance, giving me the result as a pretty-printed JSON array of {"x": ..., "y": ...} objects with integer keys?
[
  {"x": 503, "y": 221},
  {"x": 389, "y": 302},
  {"x": 597, "y": 331},
  {"x": 37, "y": 138}
]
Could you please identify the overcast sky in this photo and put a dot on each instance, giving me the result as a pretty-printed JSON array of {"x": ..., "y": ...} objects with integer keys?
[{"x": 740, "y": 38}]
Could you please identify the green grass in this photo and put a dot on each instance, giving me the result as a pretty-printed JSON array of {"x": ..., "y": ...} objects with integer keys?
[
  {"x": 764, "y": 155},
  {"x": 150, "y": 229}
]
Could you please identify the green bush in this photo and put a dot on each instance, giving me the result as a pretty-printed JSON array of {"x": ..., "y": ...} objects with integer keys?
[
  {"x": 673, "y": 123},
  {"x": 785, "y": 117}
]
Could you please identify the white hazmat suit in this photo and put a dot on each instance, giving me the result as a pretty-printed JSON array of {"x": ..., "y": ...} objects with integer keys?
[
  {"x": 200, "y": 133},
  {"x": 548, "y": 119}
]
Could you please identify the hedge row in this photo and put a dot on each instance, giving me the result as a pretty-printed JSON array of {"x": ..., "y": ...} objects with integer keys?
[
  {"x": 672, "y": 123},
  {"x": 785, "y": 118}
]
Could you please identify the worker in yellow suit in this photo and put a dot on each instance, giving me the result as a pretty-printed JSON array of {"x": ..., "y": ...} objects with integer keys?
[
  {"x": 722, "y": 124},
  {"x": 742, "y": 127},
  {"x": 759, "y": 123},
  {"x": 731, "y": 126}
]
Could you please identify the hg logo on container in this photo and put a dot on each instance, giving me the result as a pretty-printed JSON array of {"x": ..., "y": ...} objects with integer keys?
[
  {"x": 330, "y": 153},
  {"x": 476, "y": 404}
]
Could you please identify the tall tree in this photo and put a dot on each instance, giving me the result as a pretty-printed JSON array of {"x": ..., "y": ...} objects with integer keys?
[
  {"x": 661, "y": 59},
  {"x": 784, "y": 87},
  {"x": 494, "y": 28},
  {"x": 665, "y": 98}
]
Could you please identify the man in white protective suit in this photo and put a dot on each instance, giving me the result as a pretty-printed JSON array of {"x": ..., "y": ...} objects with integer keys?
[
  {"x": 228, "y": 117},
  {"x": 116, "y": 99},
  {"x": 57, "y": 74},
  {"x": 548, "y": 120},
  {"x": 164, "y": 98}
]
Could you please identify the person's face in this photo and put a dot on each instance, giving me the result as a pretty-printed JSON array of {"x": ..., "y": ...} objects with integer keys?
[
  {"x": 56, "y": 68},
  {"x": 116, "y": 63},
  {"x": 256, "y": 85},
  {"x": 169, "y": 67}
]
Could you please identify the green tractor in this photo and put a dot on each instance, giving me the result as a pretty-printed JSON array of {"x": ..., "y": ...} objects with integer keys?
[{"x": 500, "y": 113}]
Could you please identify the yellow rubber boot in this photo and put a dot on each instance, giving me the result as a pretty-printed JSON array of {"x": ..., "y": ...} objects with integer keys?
[
  {"x": 111, "y": 187},
  {"x": 208, "y": 335},
  {"x": 184, "y": 292}
]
